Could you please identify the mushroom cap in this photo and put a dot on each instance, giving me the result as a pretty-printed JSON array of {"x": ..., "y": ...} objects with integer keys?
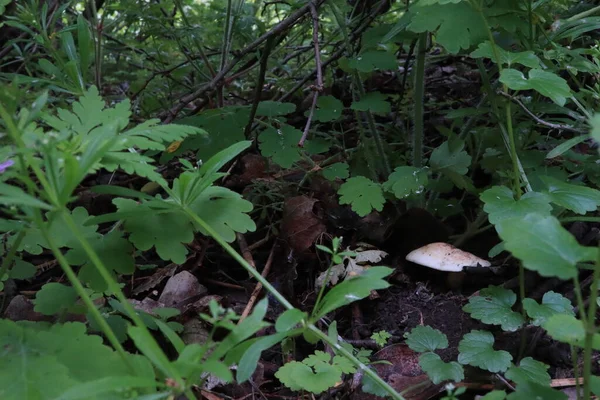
[{"x": 445, "y": 257}]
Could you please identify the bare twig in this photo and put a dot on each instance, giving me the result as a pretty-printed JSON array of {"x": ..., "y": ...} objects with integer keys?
[
  {"x": 259, "y": 85},
  {"x": 169, "y": 115},
  {"x": 319, "y": 86},
  {"x": 538, "y": 119},
  {"x": 258, "y": 288}
]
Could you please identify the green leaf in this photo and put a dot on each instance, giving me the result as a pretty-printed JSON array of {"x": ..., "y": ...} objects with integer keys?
[
  {"x": 148, "y": 347},
  {"x": 167, "y": 232},
  {"x": 374, "y": 102},
  {"x": 336, "y": 171},
  {"x": 372, "y": 60},
  {"x": 381, "y": 338},
  {"x": 353, "y": 289},
  {"x": 552, "y": 303},
  {"x": 476, "y": 349},
  {"x": 328, "y": 109},
  {"x": 289, "y": 319},
  {"x": 370, "y": 386},
  {"x": 531, "y": 390},
  {"x": 526, "y": 58},
  {"x": 22, "y": 270},
  {"x": 315, "y": 373},
  {"x": 425, "y": 338},
  {"x": 579, "y": 199},
  {"x": 494, "y": 306},
  {"x": 15, "y": 196},
  {"x": 249, "y": 360},
  {"x": 55, "y": 298},
  {"x": 438, "y": 370},
  {"x": 545, "y": 83},
  {"x": 500, "y": 204},
  {"x": 458, "y": 25},
  {"x": 274, "y": 108},
  {"x": 281, "y": 145},
  {"x": 595, "y": 384},
  {"x": 106, "y": 386},
  {"x": 115, "y": 253},
  {"x": 555, "y": 253},
  {"x": 362, "y": 194},
  {"x": 594, "y": 122},
  {"x": 565, "y": 328},
  {"x": 405, "y": 181},
  {"x": 225, "y": 211},
  {"x": 566, "y": 146},
  {"x": 451, "y": 156},
  {"x": 529, "y": 370},
  {"x": 495, "y": 395}
]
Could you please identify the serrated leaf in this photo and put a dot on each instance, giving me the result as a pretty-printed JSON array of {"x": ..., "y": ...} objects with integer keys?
[
  {"x": 552, "y": 303},
  {"x": 553, "y": 253},
  {"x": 167, "y": 232},
  {"x": 374, "y": 102},
  {"x": 115, "y": 253},
  {"x": 425, "y": 338},
  {"x": 299, "y": 376},
  {"x": 281, "y": 145},
  {"x": 565, "y": 328},
  {"x": 405, "y": 181},
  {"x": 225, "y": 211},
  {"x": 526, "y": 58},
  {"x": 579, "y": 199},
  {"x": 328, "y": 109},
  {"x": 372, "y": 60},
  {"x": 54, "y": 298},
  {"x": 274, "y": 108},
  {"x": 451, "y": 156},
  {"x": 22, "y": 270},
  {"x": 476, "y": 349},
  {"x": 362, "y": 194},
  {"x": 458, "y": 25},
  {"x": 494, "y": 306},
  {"x": 336, "y": 171},
  {"x": 438, "y": 370},
  {"x": 529, "y": 370},
  {"x": 546, "y": 83},
  {"x": 500, "y": 204}
]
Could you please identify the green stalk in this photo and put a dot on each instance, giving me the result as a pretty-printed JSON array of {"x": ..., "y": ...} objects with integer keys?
[
  {"x": 418, "y": 131},
  {"x": 590, "y": 330},
  {"x": 368, "y": 371},
  {"x": 584, "y": 14},
  {"x": 325, "y": 282}
]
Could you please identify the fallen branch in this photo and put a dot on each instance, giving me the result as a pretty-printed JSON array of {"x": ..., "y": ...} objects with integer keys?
[{"x": 258, "y": 287}]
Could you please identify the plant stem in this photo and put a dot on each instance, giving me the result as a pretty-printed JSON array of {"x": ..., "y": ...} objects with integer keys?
[
  {"x": 419, "y": 96},
  {"x": 325, "y": 282},
  {"x": 584, "y": 14},
  {"x": 368, "y": 371},
  {"x": 8, "y": 259},
  {"x": 589, "y": 330}
]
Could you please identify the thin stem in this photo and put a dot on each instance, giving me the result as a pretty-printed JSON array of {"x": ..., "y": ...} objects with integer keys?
[
  {"x": 325, "y": 283},
  {"x": 575, "y": 361},
  {"x": 589, "y": 331},
  {"x": 419, "y": 88}
]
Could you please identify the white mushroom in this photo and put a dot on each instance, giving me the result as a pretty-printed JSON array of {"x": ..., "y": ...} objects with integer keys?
[{"x": 445, "y": 257}]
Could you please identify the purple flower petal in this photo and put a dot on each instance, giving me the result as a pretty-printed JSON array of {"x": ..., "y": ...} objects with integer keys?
[{"x": 5, "y": 165}]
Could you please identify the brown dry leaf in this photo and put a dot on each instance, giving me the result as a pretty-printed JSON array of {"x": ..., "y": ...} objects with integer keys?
[
  {"x": 20, "y": 308},
  {"x": 155, "y": 279},
  {"x": 301, "y": 224},
  {"x": 210, "y": 396},
  {"x": 404, "y": 374},
  {"x": 181, "y": 287}
]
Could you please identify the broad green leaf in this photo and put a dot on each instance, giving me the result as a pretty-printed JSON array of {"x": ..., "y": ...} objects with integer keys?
[
  {"x": 249, "y": 360},
  {"x": 526, "y": 58},
  {"x": 451, "y": 156},
  {"x": 566, "y": 146},
  {"x": 55, "y": 298},
  {"x": 374, "y": 102},
  {"x": 579, "y": 199},
  {"x": 552, "y": 303},
  {"x": 274, "y": 108},
  {"x": 218, "y": 161},
  {"x": 22, "y": 270},
  {"x": 328, "y": 109},
  {"x": 336, "y": 171},
  {"x": 105, "y": 386},
  {"x": 370, "y": 386},
  {"x": 225, "y": 211},
  {"x": 543, "y": 245},
  {"x": 405, "y": 181},
  {"x": 289, "y": 319},
  {"x": 166, "y": 232},
  {"x": 438, "y": 370},
  {"x": 476, "y": 349},
  {"x": 458, "y": 25},
  {"x": 565, "y": 328},
  {"x": 372, "y": 60},
  {"x": 425, "y": 338},
  {"x": 353, "y": 289},
  {"x": 299, "y": 376},
  {"x": 362, "y": 194},
  {"x": 531, "y": 390},
  {"x": 529, "y": 370},
  {"x": 494, "y": 395},
  {"x": 595, "y": 384},
  {"x": 500, "y": 204},
  {"x": 281, "y": 145},
  {"x": 494, "y": 306},
  {"x": 546, "y": 83}
]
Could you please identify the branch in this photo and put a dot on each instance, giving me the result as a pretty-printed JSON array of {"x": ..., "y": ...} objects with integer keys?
[
  {"x": 319, "y": 87},
  {"x": 540, "y": 121}
]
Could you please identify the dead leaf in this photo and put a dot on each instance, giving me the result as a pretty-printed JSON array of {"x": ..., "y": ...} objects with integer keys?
[
  {"x": 179, "y": 288},
  {"x": 155, "y": 279},
  {"x": 20, "y": 308},
  {"x": 301, "y": 224}
]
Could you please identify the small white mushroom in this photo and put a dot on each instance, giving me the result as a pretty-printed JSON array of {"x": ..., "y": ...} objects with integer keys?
[{"x": 445, "y": 257}]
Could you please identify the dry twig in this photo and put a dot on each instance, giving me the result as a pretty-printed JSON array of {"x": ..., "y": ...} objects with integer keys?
[{"x": 258, "y": 288}]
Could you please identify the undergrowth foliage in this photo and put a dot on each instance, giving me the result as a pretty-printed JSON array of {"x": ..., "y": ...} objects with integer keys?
[{"x": 93, "y": 92}]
